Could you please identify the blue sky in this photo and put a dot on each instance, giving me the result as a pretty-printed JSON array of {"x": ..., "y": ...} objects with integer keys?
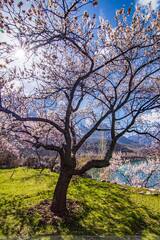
[{"x": 107, "y": 8}]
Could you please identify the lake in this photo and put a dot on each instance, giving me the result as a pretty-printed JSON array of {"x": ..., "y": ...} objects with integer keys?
[{"x": 136, "y": 173}]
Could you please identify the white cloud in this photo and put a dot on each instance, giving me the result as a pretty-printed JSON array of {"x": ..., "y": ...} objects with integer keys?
[
  {"x": 154, "y": 3},
  {"x": 151, "y": 117},
  {"x": 88, "y": 122}
]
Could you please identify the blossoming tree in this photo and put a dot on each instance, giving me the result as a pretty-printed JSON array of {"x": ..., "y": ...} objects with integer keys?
[
  {"x": 140, "y": 173},
  {"x": 9, "y": 152},
  {"x": 79, "y": 70}
]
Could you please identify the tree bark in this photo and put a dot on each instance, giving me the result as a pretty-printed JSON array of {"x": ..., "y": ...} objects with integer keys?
[{"x": 58, "y": 206}]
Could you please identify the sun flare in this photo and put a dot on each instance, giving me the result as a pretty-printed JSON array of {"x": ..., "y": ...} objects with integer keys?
[{"x": 20, "y": 54}]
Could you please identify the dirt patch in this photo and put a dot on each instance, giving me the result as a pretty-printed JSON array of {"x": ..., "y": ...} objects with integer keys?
[{"x": 48, "y": 217}]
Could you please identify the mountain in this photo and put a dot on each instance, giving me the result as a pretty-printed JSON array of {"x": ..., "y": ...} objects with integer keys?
[
  {"x": 96, "y": 142},
  {"x": 133, "y": 141},
  {"x": 141, "y": 140},
  {"x": 125, "y": 143},
  {"x": 128, "y": 141}
]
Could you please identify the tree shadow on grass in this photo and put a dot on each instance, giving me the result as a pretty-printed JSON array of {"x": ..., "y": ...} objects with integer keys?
[
  {"x": 101, "y": 210},
  {"x": 112, "y": 211},
  {"x": 16, "y": 220}
]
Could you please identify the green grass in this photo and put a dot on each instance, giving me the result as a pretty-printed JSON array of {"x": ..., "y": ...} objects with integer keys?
[{"x": 104, "y": 209}]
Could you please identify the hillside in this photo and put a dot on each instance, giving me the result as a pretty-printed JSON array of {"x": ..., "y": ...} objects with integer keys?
[
  {"x": 96, "y": 208},
  {"x": 130, "y": 143}
]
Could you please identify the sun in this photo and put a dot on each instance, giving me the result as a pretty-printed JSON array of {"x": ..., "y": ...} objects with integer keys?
[{"x": 20, "y": 54}]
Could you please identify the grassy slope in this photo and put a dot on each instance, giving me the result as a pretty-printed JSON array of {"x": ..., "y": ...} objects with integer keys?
[{"x": 104, "y": 208}]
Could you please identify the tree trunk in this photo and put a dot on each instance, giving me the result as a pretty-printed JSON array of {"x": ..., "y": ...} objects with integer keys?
[{"x": 59, "y": 199}]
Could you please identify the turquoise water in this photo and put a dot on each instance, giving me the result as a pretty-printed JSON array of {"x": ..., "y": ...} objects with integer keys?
[
  {"x": 126, "y": 175},
  {"x": 147, "y": 177}
]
